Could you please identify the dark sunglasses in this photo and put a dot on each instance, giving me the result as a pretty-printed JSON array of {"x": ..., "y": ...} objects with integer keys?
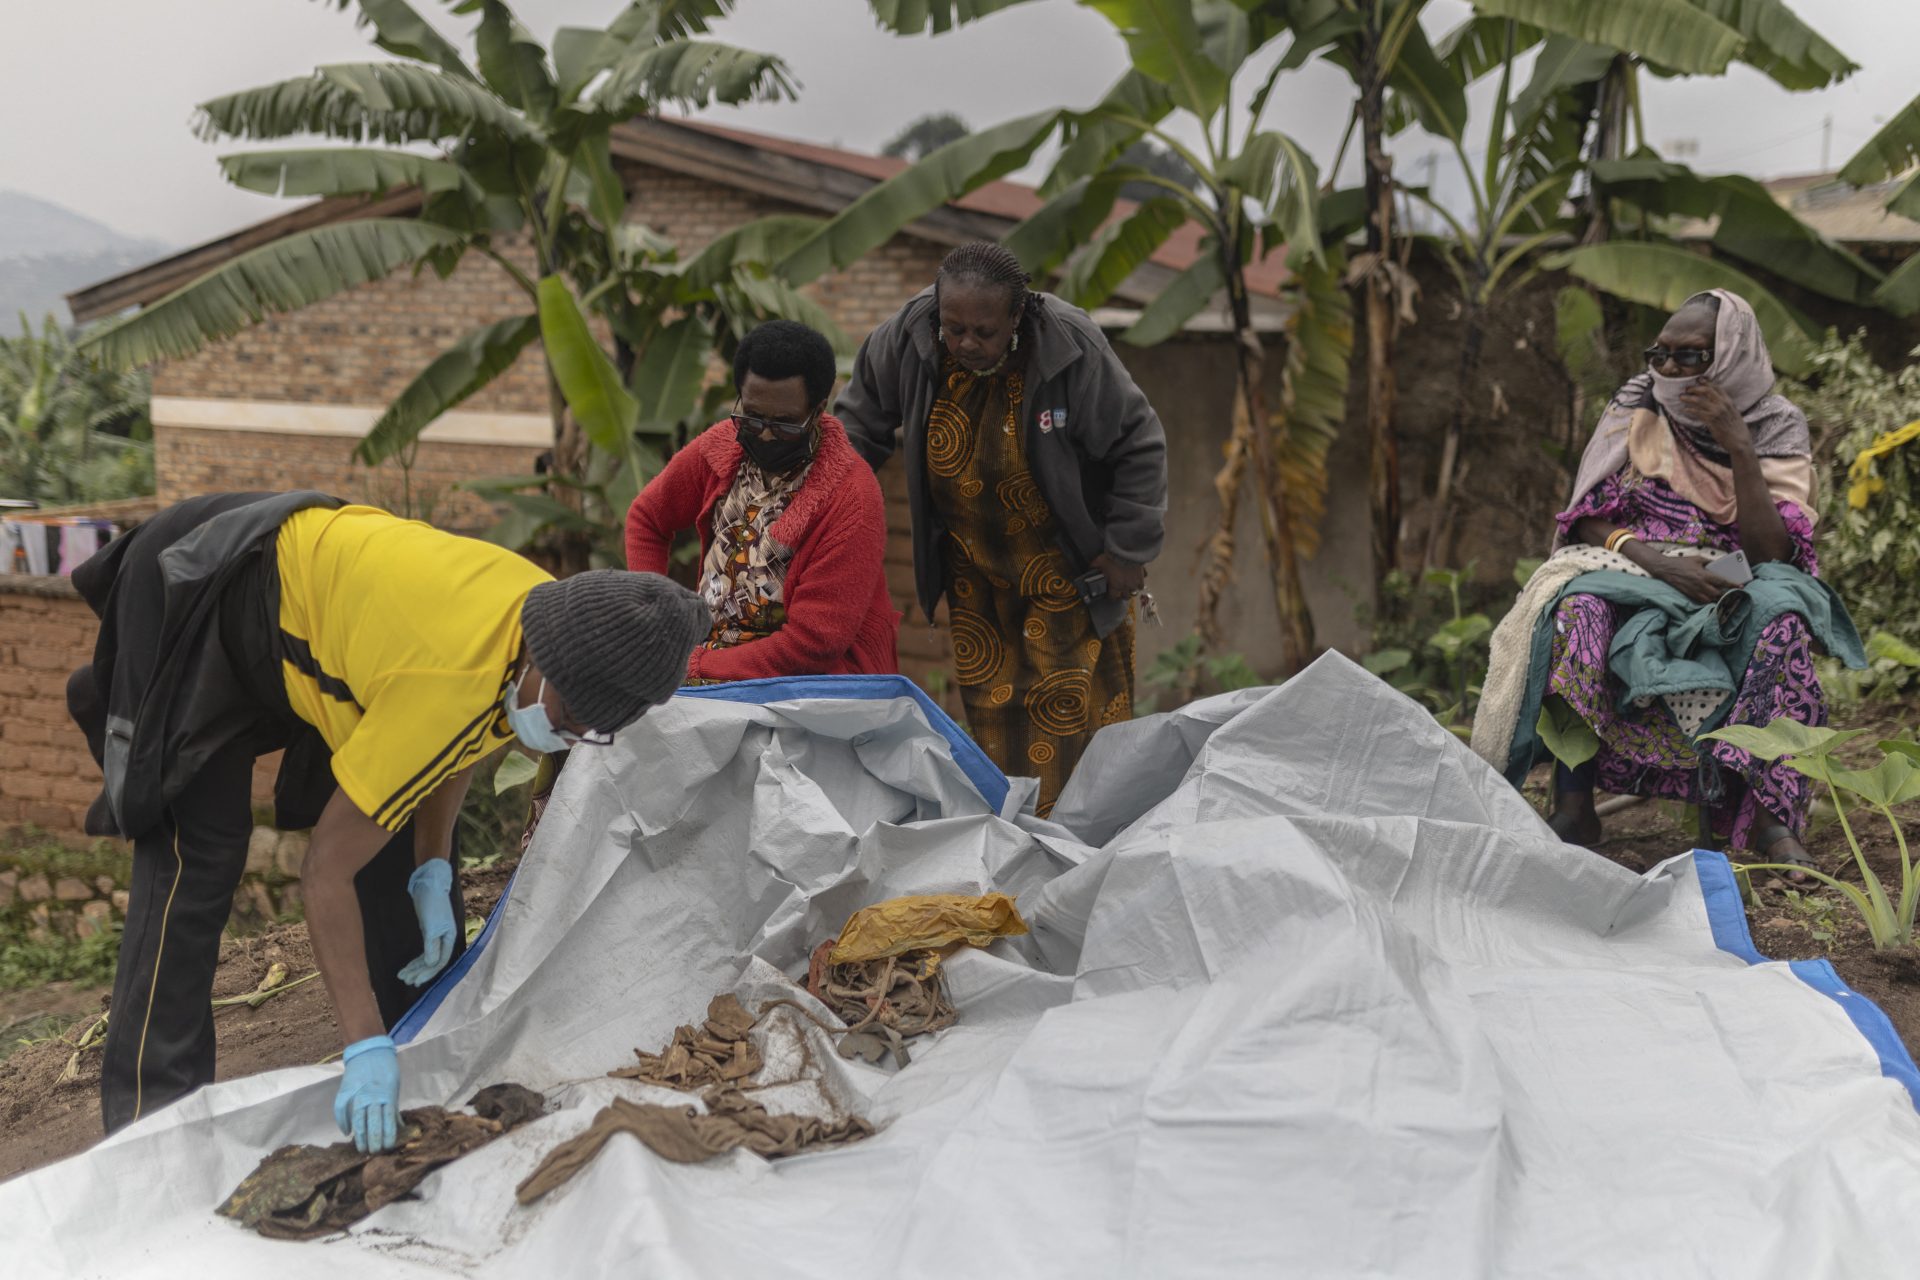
[
  {"x": 1685, "y": 357},
  {"x": 785, "y": 430}
]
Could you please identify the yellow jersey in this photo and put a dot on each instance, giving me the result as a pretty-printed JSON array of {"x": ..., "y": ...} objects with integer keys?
[{"x": 399, "y": 642}]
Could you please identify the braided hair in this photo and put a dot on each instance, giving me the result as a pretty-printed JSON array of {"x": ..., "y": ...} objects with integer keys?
[{"x": 987, "y": 265}]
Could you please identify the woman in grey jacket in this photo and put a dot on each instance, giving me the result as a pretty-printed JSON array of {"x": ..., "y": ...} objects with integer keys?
[{"x": 1037, "y": 473}]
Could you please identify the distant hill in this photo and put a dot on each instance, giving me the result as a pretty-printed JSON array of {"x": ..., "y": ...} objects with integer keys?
[{"x": 47, "y": 251}]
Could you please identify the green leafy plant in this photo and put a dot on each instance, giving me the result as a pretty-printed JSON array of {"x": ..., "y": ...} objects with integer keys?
[
  {"x": 30, "y": 962},
  {"x": 70, "y": 431},
  {"x": 31, "y": 851},
  {"x": 1893, "y": 665},
  {"x": 1565, "y": 732},
  {"x": 1187, "y": 669},
  {"x": 1870, "y": 526},
  {"x": 1431, "y": 644},
  {"x": 1817, "y": 912},
  {"x": 495, "y": 813},
  {"x": 1894, "y": 781}
]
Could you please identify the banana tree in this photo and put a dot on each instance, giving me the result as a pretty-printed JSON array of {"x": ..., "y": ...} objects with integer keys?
[
  {"x": 1255, "y": 190},
  {"x": 70, "y": 431},
  {"x": 510, "y": 156},
  {"x": 1382, "y": 47},
  {"x": 1567, "y": 124},
  {"x": 1599, "y": 51},
  {"x": 1890, "y": 156}
]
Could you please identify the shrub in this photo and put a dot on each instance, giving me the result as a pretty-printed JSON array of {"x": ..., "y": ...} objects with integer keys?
[
  {"x": 1869, "y": 459},
  {"x": 1430, "y": 638},
  {"x": 70, "y": 431}
]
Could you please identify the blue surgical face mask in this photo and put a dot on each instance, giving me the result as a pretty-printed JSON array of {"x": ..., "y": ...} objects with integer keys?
[{"x": 530, "y": 723}]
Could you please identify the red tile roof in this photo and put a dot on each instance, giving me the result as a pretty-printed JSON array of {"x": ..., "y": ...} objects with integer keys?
[
  {"x": 1013, "y": 201},
  {"x": 1009, "y": 202}
]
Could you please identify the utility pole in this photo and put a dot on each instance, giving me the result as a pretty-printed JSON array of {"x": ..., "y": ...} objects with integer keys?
[
  {"x": 1431, "y": 161},
  {"x": 1826, "y": 143}
]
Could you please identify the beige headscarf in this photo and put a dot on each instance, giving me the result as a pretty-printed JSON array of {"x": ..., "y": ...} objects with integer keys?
[{"x": 1644, "y": 424}]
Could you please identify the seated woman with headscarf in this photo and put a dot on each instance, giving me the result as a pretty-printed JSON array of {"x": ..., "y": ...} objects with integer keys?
[
  {"x": 1643, "y": 632},
  {"x": 793, "y": 530}
]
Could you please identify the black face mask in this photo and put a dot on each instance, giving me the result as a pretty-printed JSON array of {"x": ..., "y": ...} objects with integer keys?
[{"x": 776, "y": 455}]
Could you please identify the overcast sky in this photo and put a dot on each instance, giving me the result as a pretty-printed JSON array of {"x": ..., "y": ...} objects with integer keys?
[{"x": 98, "y": 93}]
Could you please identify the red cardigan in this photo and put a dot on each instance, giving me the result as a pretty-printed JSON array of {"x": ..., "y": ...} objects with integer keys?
[{"x": 840, "y": 618}]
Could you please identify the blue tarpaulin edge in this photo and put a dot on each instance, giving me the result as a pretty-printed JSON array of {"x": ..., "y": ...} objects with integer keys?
[
  {"x": 1728, "y": 918},
  {"x": 981, "y": 772}
]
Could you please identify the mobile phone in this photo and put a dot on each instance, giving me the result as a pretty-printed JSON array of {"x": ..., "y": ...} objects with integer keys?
[
  {"x": 1732, "y": 567},
  {"x": 1091, "y": 586}
]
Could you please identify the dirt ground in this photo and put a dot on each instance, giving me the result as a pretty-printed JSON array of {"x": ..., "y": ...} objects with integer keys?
[{"x": 47, "y": 1114}]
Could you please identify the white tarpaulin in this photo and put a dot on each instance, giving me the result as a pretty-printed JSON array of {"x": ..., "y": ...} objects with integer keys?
[{"x": 1310, "y": 991}]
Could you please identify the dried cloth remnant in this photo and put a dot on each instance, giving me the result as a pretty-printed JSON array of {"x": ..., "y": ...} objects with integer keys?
[
  {"x": 303, "y": 1192},
  {"x": 717, "y": 1052},
  {"x": 925, "y": 922},
  {"x": 684, "y": 1135}
]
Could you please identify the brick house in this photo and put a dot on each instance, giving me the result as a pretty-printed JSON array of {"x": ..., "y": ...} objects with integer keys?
[{"x": 282, "y": 404}]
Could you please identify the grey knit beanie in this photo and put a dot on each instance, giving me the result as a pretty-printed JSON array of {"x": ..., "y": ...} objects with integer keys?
[{"x": 613, "y": 642}]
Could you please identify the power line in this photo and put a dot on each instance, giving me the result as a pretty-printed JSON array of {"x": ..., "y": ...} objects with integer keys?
[{"x": 1768, "y": 146}]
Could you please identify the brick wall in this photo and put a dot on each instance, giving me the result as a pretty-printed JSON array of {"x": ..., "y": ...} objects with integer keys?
[
  {"x": 363, "y": 346},
  {"x": 47, "y": 778},
  {"x": 188, "y": 461}
]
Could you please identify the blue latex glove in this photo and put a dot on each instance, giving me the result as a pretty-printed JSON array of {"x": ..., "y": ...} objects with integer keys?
[
  {"x": 430, "y": 887},
  {"x": 368, "y": 1104}
]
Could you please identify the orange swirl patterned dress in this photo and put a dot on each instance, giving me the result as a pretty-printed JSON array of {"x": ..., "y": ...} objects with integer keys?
[{"x": 1035, "y": 679}]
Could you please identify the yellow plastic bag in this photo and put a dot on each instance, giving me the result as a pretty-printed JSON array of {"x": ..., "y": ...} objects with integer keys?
[{"x": 925, "y": 922}]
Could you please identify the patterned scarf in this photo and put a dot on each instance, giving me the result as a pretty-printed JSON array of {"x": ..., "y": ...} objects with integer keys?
[
  {"x": 1690, "y": 460},
  {"x": 743, "y": 578}
]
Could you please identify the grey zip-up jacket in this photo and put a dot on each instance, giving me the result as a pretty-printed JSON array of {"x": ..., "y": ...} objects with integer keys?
[{"x": 1093, "y": 443}]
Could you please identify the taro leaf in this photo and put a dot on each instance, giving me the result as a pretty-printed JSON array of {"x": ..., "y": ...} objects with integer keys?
[
  {"x": 1566, "y": 734},
  {"x": 514, "y": 771},
  {"x": 1894, "y": 746},
  {"x": 1783, "y": 738},
  {"x": 1524, "y": 569},
  {"x": 1387, "y": 661},
  {"x": 1884, "y": 644},
  {"x": 1895, "y": 780},
  {"x": 1459, "y": 635}
]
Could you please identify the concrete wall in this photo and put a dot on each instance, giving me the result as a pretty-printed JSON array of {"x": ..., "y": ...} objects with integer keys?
[{"x": 1190, "y": 382}]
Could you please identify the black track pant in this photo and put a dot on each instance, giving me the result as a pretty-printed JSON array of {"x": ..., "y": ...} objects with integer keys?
[{"x": 160, "y": 1025}]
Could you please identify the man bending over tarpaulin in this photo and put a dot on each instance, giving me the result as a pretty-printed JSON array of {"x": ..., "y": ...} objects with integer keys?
[{"x": 233, "y": 625}]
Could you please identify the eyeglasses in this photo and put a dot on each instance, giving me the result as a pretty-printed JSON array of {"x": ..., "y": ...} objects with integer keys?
[
  {"x": 1686, "y": 357},
  {"x": 787, "y": 430}
]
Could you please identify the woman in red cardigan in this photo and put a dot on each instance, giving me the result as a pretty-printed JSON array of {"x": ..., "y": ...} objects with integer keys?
[{"x": 793, "y": 530}]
